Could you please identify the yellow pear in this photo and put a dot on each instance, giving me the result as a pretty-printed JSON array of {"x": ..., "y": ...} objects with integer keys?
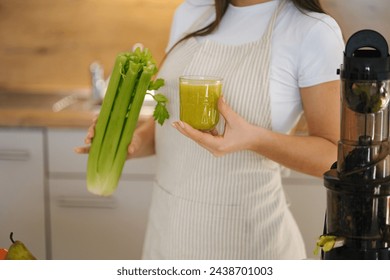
[{"x": 18, "y": 251}]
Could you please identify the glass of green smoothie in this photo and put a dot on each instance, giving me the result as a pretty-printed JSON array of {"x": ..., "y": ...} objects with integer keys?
[{"x": 199, "y": 101}]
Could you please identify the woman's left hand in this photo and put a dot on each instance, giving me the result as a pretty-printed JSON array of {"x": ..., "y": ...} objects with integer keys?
[
  {"x": 310, "y": 154},
  {"x": 236, "y": 135}
]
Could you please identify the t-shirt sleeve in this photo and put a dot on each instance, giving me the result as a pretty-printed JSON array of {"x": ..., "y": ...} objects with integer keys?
[
  {"x": 321, "y": 53},
  {"x": 184, "y": 17}
]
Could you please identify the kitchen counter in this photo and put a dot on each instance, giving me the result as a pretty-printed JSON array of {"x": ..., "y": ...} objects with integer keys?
[
  {"x": 62, "y": 109},
  {"x": 38, "y": 109},
  {"x": 70, "y": 109}
]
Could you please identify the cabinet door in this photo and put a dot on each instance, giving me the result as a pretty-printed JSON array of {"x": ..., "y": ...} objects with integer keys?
[
  {"x": 307, "y": 198},
  {"x": 22, "y": 188},
  {"x": 86, "y": 226},
  {"x": 63, "y": 162}
]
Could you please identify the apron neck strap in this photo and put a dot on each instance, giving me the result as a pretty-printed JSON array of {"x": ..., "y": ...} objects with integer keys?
[
  {"x": 271, "y": 24},
  {"x": 210, "y": 12}
]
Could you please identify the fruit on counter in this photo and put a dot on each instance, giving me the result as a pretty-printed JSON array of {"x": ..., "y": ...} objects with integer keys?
[
  {"x": 18, "y": 251},
  {"x": 131, "y": 79},
  {"x": 3, "y": 253}
]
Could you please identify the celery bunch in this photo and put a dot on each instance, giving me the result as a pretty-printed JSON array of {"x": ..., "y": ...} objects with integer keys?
[{"x": 131, "y": 79}]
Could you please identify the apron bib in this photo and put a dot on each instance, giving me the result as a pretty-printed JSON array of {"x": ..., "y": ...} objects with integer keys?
[{"x": 231, "y": 207}]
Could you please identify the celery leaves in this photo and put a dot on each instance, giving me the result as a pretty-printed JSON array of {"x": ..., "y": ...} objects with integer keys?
[{"x": 160, "y": 113}]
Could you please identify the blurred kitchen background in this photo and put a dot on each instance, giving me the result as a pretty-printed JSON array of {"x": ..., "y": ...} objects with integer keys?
[
  {"x": 47, "y": 45},
  {"x": 46, "y": 50}
]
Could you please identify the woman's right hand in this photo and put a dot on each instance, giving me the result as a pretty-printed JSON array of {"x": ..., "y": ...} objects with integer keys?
[
  {"x": 138, "y": 147},
  {"x": 88, "y": 138}
]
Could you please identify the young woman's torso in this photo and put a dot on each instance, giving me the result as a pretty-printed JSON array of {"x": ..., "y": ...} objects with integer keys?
[{"x": 295, "y": 61}]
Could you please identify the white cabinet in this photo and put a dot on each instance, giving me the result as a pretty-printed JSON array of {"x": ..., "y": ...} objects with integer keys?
[
  {"x": 22, "y": 188},
  {"x": 306, "y": 196},
  {"x": 87, "y": 226},
  {"x": 45, "y": 202}
]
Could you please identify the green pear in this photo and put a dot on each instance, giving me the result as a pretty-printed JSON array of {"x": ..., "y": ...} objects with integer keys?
[{"x": 18, "y": 251}]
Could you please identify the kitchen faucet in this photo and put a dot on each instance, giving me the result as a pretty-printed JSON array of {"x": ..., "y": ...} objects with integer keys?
[{"x": 99, "y": 84}]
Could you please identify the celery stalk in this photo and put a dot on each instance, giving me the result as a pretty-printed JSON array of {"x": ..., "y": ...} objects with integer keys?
[
  {"x": 132, "y": 118},
  {"x": 103, "y": 119},
  {"x": 118, "y": 119}
]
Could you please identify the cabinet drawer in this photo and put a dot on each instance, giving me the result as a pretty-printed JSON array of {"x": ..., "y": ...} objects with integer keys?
[
  {"x": 85, "y": 226},
  {"x": 62, "y": 158}
]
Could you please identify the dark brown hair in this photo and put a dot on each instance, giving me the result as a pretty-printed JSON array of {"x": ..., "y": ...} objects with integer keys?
[{"x": 221, "y": 6}]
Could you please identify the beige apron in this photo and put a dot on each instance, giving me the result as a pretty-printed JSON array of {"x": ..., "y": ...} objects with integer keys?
[{"x": 230, "y": 207}]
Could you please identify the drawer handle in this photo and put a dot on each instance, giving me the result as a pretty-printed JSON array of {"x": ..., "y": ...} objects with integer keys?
[
  {"x": 86, "y": 202},
  {"x": 17, "y": 155}
]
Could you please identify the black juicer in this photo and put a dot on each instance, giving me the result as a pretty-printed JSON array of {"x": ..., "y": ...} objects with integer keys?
[{"x": 358, "y": 184}]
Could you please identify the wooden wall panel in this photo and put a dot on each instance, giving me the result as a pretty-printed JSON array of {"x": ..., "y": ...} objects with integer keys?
[{"x": 49, "y": 44}]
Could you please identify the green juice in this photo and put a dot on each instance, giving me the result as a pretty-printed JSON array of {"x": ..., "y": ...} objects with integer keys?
[{"x": 199, "y": 102}]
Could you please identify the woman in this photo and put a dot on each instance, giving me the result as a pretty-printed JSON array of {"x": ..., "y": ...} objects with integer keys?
[{"x": 219, "y": 195}]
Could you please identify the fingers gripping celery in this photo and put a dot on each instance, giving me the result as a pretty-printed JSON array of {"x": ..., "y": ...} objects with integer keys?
[{"x": 130, "y": 80}]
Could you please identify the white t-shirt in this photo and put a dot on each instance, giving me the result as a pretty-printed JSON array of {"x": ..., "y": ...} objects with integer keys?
[{"x": 307, "y": 49}]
